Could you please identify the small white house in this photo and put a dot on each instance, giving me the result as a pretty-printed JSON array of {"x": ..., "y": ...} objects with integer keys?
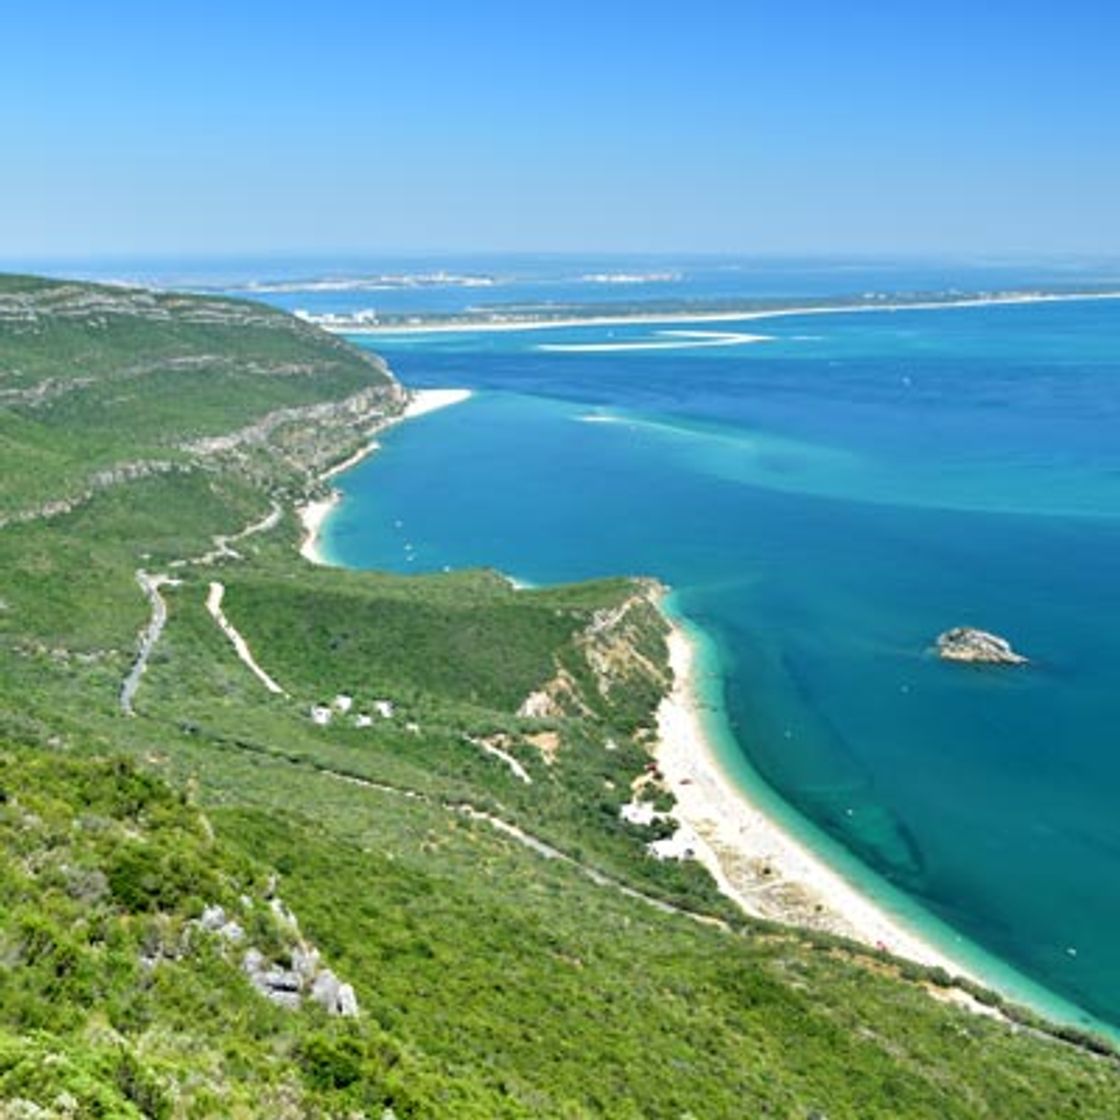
[
  {"x": 681, "y": 845},
  {"x": 638, "y": 812}
]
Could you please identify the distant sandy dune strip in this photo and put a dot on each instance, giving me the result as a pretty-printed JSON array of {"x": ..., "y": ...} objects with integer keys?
[{"x": 666, "y": 340}]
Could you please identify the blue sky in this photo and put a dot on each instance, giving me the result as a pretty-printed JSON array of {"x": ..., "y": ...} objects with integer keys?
[{"x": 766, "y": 127}]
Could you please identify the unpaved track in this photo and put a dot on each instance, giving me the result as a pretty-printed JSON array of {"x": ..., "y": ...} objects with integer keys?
[
  {"x": 214, "y": 606},
  {"x": 150, "y": 585}
]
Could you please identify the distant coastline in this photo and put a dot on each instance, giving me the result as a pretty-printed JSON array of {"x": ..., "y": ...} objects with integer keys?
[{"x": 365, "y": 323}]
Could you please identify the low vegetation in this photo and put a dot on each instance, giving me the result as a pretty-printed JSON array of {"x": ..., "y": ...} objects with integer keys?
[{"x": 454, "y": 854}]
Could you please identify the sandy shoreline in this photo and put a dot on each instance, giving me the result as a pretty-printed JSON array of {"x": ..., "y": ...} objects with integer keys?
[
  {"x": 314, "y": 514},
  {"x": 753, "y": 859},
  {"x": 428, "y": 400},
  {"x": 763, "y": 868},
  {"x": 655, "y": 318}
]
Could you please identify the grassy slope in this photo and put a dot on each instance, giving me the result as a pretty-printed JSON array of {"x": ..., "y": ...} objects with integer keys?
[{"x": 493, "y": 981}]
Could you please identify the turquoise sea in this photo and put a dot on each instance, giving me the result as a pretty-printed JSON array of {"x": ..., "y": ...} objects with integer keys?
[{"x": 824, "y": 503}]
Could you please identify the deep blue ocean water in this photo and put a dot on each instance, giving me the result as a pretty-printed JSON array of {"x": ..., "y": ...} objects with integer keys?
[{"x": 824, "y": 504}]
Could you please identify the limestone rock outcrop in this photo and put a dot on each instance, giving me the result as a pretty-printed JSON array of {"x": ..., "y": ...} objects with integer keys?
[
  {"x": 298, "y": 976},
  {"x": 965, "y": 643}
]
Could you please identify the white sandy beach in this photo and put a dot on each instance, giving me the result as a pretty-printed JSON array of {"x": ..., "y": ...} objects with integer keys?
[
  {"x": 428, "y": 400},
  {"x": 666, "y": 340},
  {"x": 313, "y": 515},
  {"x": 755, "y": 861}
]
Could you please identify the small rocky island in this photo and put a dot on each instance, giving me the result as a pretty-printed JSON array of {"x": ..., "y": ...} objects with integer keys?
[{"x": 964, "y": 643}]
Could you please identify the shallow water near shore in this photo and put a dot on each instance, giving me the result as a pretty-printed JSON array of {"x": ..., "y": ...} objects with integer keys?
[{"x": 824, "y": 504}]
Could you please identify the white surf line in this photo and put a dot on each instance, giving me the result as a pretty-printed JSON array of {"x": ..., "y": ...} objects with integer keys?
[
  {"x": 311, "y": 517},
  {"x": 214, "y": 606},
  {"x": 679, "y": 340},
  {"x": 150, "y": 585},
  {"x": 1009, "y": 300}
]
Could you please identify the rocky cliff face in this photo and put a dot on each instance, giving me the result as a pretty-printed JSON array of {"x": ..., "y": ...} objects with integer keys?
[
  {"x": 106, "y": 386},
  {"x": 618, "y": 657}
]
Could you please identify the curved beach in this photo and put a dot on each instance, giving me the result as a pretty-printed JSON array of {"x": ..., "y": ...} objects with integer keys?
[
  {"x": 313, "y": 515},
  {"x": 771, "y": 874},
  {"x": 744, "y": 836},
  {"x": 755, "y": 861}
]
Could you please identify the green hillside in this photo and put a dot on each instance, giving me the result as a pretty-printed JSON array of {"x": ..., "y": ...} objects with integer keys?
[{"x": 206, "y": 871}]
